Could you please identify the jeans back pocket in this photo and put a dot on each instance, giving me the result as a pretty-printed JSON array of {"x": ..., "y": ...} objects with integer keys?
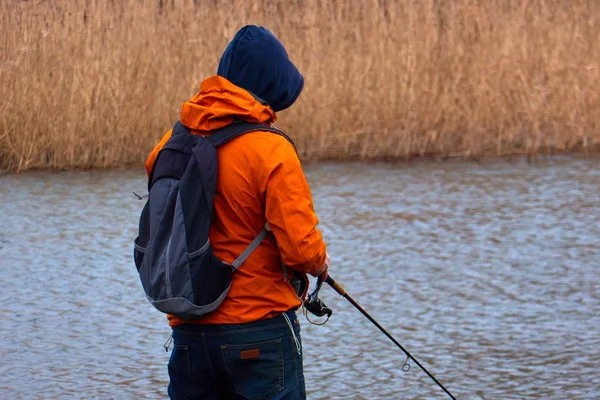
[{"x": 256, "y": 369}]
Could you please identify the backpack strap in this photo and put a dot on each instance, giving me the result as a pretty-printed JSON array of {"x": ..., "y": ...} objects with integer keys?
[
  {"x": 250, "y": 249},
  {"x": 223, "y": 135}
]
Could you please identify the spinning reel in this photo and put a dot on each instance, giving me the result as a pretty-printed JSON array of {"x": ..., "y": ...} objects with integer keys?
[{"x": 315, "y": 305}]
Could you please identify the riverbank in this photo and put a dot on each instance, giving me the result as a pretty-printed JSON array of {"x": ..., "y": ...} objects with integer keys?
[
  {"x": 506, "y": 159},
  {"x": 95, "y": 84}
]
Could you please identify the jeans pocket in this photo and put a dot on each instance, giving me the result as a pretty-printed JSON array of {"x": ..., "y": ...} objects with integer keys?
[
  {"x": 256, "y": 369},
  {"x": 179, "y": 368}
]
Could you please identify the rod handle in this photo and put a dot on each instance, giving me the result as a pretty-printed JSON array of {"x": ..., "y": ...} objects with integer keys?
[{"x": 336, "y": 286}]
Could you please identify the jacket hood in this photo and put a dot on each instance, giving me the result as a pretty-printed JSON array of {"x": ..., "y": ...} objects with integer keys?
[
  {"x": 217, "y": 104},
  {"x": 257, "y": 61}
]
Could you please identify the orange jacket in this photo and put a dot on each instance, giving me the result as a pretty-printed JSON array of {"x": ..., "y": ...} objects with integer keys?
[{"x": 260, "y": 180}]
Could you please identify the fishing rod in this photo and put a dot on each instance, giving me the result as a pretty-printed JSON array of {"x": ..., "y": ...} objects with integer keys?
[{"x": 318, "y": 308}]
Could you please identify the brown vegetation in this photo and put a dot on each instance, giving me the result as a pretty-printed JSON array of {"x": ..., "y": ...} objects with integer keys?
[{"x": 95, "y": 83}]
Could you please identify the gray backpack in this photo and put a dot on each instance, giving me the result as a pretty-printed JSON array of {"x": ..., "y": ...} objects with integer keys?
[{"x": 172, "y": 252}]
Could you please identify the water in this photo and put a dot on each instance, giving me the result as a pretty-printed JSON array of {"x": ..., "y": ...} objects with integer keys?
[{"x": 487, "y": 273}]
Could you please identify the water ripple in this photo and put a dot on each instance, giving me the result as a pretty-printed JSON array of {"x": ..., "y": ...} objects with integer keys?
[{"x": 486, "y": 273}]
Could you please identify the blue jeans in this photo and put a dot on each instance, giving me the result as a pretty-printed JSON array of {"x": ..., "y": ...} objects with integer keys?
[{"x": 255, "y": 361}]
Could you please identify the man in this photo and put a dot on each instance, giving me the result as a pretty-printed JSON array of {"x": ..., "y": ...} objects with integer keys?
[{"x": 250, "y": 348}]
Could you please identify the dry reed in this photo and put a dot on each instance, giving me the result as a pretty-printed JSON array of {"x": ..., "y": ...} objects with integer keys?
[{"x": 95, "y": 83}]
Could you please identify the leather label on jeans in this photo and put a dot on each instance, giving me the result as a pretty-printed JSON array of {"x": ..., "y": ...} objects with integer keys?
[{"x": 250, "y": 354}]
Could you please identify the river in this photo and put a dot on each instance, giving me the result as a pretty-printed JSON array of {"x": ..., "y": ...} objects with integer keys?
[{"x": 488, "y": 273}]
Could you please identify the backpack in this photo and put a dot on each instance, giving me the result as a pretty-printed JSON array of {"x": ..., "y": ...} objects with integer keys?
[{"x": 172, "y": 252}]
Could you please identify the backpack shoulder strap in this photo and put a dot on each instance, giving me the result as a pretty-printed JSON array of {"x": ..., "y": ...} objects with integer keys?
[
  {"x": 224, "y": 135},
  {"x": 250, "y": 249},
  {"x": 238, "y": 128}
]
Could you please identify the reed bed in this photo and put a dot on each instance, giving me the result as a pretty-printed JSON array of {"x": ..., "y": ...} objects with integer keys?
[{"x": 95, "y": 83}]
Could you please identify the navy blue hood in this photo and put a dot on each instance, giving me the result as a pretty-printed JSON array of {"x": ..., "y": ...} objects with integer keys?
[{"x": 256, "y": 61}]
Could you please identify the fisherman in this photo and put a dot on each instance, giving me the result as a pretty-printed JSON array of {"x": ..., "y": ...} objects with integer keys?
[{"x": 250, "y": 347}]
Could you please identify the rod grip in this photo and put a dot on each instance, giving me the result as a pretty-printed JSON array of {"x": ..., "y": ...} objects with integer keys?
[{"x": 336, "y": 286}]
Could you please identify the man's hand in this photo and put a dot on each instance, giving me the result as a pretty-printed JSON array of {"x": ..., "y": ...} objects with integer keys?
[{"x": 324, "y": 268}]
